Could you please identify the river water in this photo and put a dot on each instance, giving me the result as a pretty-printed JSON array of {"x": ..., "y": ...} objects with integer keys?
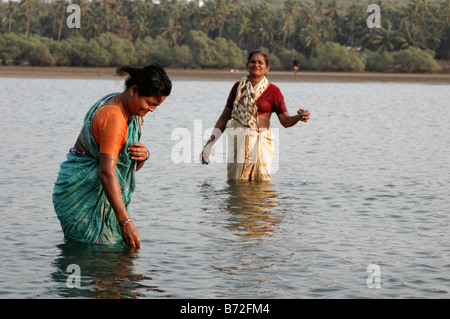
[{"x": 358, "y": 204}]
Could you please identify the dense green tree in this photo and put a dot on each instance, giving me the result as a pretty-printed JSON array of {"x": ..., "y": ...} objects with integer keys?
[
  {"x": 331, "y": 56},
  {"x": 182, "y": 29},
  {"x": 414, "y": 59},
  {"x": 383, "y": 39},
  {"x": 11, "y": 11},
  {"x": 171, "y": 32}
]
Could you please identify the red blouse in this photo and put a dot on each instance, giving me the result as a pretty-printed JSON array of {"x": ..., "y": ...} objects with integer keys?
[{"x": 272, "y": 100}]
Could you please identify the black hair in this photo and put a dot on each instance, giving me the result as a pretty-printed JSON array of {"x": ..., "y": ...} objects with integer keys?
[
  {"x": 266, "y": 56},
  {"x": 151, "y": 80}
]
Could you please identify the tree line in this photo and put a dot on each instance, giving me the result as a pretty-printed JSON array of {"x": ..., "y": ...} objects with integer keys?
[{"x": 324, "y": 34}]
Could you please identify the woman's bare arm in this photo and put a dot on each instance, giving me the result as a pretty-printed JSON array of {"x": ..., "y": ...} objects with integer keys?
[
  {"x": 107, "y": 175},
  {"x": 218, "y": 130}
]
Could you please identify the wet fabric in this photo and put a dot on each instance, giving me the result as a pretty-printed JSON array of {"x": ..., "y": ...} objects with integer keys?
[
  {"x": 250, "y": 153},
  {"x": 78, "y": 197},
  {"x": 249, "y": 149}
]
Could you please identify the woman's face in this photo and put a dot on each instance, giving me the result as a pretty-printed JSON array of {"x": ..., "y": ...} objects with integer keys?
[
  {"x": 257, "y": 66},
  {"x": 141, "y": 105}
]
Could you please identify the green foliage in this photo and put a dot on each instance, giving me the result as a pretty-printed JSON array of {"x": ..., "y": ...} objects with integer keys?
[
  {"x": 11, "y": 48},
  {"x": 219, "y": 34},
  {"x": 379, "y": 62},
  {"x": 415, "y": 60},
  {"x": 287, "y": 56},
  {"x": 36, "y": 52},
  {"x": 202, "y": 48},
  {"x": 275, "y": 63},
  {"x": 334, "y": 57},
  {"x": 118, "y": 51},
  {"x": 218, "y": 53},
  {"x": 19, "y": 49},
  {"x": 161, "y": 53},
  {"x": 184, "y": 58}
]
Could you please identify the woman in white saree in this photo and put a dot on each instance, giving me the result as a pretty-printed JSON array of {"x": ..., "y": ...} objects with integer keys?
[{"x": 246, "y": 118}]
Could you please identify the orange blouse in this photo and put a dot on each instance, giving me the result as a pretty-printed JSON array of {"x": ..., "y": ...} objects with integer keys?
[{"x": 110, "y": 128}]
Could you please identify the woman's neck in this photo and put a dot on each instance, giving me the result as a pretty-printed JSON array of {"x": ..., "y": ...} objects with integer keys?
[
  {"x": 254, "y": 80},
  {"x": 120, "y": 100}
]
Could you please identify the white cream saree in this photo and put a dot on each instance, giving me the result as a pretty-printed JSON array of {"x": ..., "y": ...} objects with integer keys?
[{"x": 250, "y": 149}]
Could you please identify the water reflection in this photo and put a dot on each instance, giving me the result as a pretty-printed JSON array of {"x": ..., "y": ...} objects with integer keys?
[
  {"x": 252, "y": 208},
  {"x": 245, "y": 215},
  {"x": 105, "y": 271}
]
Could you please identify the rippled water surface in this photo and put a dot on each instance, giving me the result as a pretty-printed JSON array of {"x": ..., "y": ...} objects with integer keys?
[{"x": 366, "y": 181}]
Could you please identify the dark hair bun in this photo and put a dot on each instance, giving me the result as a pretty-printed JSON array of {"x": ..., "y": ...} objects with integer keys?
[{"x": 151, "y": 80}]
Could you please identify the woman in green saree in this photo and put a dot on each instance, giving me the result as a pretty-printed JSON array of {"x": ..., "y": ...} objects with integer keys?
[{"x": 96, "y": 182}]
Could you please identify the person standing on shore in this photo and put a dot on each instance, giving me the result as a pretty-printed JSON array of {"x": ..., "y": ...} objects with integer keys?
[
  {"x": 96, "y": 182},
  {"x": 247, "y": 119},
  {"x": 296, "y": 65}
]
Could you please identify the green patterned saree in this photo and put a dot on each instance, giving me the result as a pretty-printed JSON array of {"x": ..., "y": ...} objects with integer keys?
[{"x": 78, "y": 197}]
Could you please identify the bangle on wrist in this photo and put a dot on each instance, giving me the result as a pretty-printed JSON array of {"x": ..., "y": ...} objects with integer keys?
[
  {"x": 126, "y": 221},
  {"x": 148, "y": 155}
]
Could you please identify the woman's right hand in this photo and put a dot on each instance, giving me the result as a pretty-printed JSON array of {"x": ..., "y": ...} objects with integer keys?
[
  {"x": 204, "y": 156},
  {"x": 130, "y": 235}
]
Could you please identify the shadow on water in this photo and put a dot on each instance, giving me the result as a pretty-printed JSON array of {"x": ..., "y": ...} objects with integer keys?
[{"x": 97, "y": 271}]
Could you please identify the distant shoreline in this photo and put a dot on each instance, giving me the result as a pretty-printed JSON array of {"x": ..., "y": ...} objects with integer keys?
[{"x": 220, "y": 75}]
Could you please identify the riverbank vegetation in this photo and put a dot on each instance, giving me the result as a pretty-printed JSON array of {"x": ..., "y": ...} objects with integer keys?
[{"x": 327, "y": 35}]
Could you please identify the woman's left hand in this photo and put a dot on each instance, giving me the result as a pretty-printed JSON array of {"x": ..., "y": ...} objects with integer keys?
[
  {"x": 303, "y": 115},
  {"x": 138, "y": 152}
]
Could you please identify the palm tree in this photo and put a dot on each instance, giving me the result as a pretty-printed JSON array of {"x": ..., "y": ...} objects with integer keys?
[
  {"x": 312, "y": 37},
  {"x": 356, "y": 24},
  {"x": 290, "y": 10},
  {"x": 208, "y": 20},
  {"x": 189, "y": 16},
  {"x": 383, "y": 39},
  {"x": 28, "y": 7},
  {"x": 171, "y": 33},
  {"x": 286, "y": 29},
  {"x": 59, "y": 11},
  {"x": 265, "y": 31},
  {"x": 104, "y": 15},
  {"x": 11, "y": 10},
  {"x": 333, "y": 11},
  {"x": 223, "y": 10},
  {"x": 329, "y": 28},
  {"x": 245, "y": 32},
  {"x": 91, "y": 28},
  {"x": 320, "y": 9},
  {"x": 140, "y": 28},
  {"x": 307, "y": 15},
  {"x": 433, "y": 41},
  {"x": 409, "y": 35},
  {"x": 445, "y": 11}
]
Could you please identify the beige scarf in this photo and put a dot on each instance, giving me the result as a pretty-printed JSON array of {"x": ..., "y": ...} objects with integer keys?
[
  {"x": 249, "y": 150},
  {"x": 245, "y": 110}
]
